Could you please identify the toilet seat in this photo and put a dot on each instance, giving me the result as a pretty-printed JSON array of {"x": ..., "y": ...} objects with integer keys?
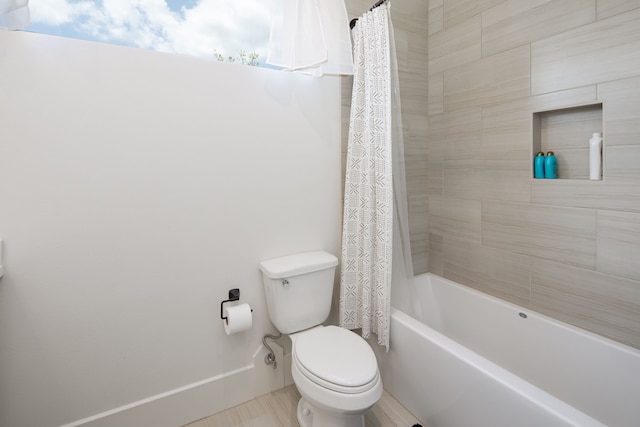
[{"x": 337, "y": 359}]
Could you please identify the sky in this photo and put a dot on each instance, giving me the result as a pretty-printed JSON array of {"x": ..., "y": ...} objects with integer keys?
[{"x": 190, "y": 27}]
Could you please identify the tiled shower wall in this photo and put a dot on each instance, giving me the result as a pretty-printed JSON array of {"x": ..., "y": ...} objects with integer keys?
[{"x": 568, "y": 248}]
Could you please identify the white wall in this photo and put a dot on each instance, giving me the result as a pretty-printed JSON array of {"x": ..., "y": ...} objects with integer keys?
[{"x": 136, "y": 188}]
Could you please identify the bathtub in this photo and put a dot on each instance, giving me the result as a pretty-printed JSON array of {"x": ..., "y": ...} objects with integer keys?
[{"x": 475, "y": 360}]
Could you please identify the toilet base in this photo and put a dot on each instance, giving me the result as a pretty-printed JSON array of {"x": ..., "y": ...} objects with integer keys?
[{"x": 309, "y": 416}]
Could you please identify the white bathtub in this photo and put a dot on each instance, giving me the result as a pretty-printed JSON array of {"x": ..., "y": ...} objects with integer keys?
[{"x": 475, "y": 360}]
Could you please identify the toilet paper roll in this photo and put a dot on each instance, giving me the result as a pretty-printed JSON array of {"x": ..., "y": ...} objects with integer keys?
[{"x": 239, "y": 318}]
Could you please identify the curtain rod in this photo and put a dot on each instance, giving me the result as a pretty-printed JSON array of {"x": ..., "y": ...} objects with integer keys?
[{"x": 379, "y": 3}]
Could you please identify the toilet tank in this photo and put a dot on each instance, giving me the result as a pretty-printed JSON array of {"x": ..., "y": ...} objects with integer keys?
[{"x": 298, "y": 289}]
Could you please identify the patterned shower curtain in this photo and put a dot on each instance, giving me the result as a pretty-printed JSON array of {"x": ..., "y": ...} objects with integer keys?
[{"x": 367, "y": 237}]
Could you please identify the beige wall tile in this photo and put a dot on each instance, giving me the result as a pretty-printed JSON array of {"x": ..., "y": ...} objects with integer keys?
[
  {"x": 498, "y": 78},
  {"x": 420, "y": 256},
  {"x": 456, "y": 45},
  {"x": 417, "y": 64},
  {"x": 455, "y": 218},
  {"x": 541, "y": 218},
  {"x": 601, "y": 303},
  {"x": 436, "y": 259},
  {"x": 509, "y": 10},
  {"x": 410, "y": 16},
  {"x": 436, "y": 16},
  {"x": 456, "y": 134},
  {"x": 570, "y": 98},
  {"x": 556, "y": 233},
  {"x": 514, "y": 22},
  {"x": 508, "y": 141},
  {"x": 418, "y": 9},
  {"x": 419, "y": 212},
  {"x": 435, "y": 176},
  {"x": 414, "y": 92},
  {"x": 466, "y": 143},
  {"x": 612, "y": 193},
  {"x": 436, "y": 93},
  {"x": 415, "y": 129},
  {"x": 509, "y": 137},
  {"x": 462, "y": 178},
  {"x": 506, "y": 130},
  {"x": 436, "y": 242},
  {"x": 506, "y": 179},
  {"x": 436, "y": 265},
  {"x": 421, "y": 261},
  {"x": 401, "y": 39},
  {"x": 608, "y": 49},
  {"x": 499, "y": 273},
  {"x": 619, "y": 243},
  {"x": 607, "y": 8},
  {"x": 621, "y": 111},
  {"x": 456, "y": 11},
  {"x": 623, "y": 161}
]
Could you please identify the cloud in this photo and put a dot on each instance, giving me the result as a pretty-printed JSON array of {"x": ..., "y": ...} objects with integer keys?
[
  {"x": 196, "y": 28},
  {"x": 58, "y": 12}
]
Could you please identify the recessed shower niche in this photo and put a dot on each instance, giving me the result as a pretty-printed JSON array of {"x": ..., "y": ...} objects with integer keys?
[{"x": 566, "y": 132}]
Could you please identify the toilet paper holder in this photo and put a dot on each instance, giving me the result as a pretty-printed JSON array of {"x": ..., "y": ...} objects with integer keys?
[{"x": 234, "y": 295}]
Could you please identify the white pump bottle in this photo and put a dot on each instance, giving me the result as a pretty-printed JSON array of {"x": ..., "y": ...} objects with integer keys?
[{"x": 595, "y": 157}]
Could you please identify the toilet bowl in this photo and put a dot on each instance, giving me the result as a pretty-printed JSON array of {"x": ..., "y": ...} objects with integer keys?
[
  {"x": 337, "y": 376},
  {"x": 333, "y": 368}
]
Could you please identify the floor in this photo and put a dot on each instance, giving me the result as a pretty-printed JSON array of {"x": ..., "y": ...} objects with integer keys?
[{"x": 278, "y": 409}]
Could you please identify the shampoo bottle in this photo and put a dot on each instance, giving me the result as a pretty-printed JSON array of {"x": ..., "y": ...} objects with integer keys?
[
  {"x": 595, "y": 157},
  {"x": 550, "y": 166},
  {"x": 538, "y": 165}
]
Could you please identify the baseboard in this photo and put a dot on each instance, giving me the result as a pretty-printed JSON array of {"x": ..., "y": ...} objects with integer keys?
[{"x": 198, "y": 400}]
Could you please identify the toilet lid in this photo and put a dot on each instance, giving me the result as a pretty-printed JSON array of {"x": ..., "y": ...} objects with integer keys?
[{"x": 337, "y": 356}]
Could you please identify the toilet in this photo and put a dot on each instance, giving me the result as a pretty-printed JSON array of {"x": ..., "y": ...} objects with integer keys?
[{"x": 334, "y": 369}]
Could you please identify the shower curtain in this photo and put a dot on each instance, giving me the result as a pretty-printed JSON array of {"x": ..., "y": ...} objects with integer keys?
[{"x": 374, "y": 178}]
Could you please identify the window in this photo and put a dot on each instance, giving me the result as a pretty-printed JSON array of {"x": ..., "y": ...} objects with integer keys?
[{"x": 217, "y": 29}]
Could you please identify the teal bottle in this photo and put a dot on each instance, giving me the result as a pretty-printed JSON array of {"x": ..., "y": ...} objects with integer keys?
[
  {"x": 550, "y": 166},
  {"x": 538, "y": 165}
]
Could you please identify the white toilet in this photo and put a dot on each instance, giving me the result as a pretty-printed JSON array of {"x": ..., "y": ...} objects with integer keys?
[{"x": 333, "y": 368}]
